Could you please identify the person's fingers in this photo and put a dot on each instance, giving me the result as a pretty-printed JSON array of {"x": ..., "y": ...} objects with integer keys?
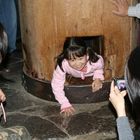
[
  {"x": 112, "y": 87},
  {"x": 73, "y": 110},
  {"x": 111, "y": 96},
  {"x": 116, "y": 12},
  {"x": 3, "y": 98},
  {"x": 67, "y": 112},
  {"x": 124, "y": 93},
  {"x": 126, "y": 1},
  {"x": 120, "y": 2},
  {"x": 114, "y": 2},
  {"x": 93, "y": 84},
  {"x": 101, "y": 85},
  {"x": 62, "y": 111},
  {"x": 123, "y": 2},
  {"x": 116, "y": 89}
]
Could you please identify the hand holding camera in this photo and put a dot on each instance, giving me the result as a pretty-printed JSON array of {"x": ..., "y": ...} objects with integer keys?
[{"x": 116, "y": 97}]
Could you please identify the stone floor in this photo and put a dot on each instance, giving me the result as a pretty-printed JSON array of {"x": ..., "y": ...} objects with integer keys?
[{"x": 93, "y": 121}]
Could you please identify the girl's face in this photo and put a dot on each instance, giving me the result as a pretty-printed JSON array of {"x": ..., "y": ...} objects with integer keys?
[{"x": 78, "y": 63}]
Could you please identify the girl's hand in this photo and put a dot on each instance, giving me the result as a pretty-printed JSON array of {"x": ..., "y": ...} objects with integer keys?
[
  {"x": 2, "y": 96},
  {"x": 117, "y": 100},
  {"x": 121, "y": 7},
  {"x": 67, "y": 111},
  {"x": 96, "y": 85}
]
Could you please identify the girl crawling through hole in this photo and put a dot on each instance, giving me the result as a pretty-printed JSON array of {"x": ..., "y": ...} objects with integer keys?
[{"x": 79, "y": 60}]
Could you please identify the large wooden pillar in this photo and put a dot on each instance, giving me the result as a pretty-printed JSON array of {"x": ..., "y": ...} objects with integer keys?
[{"x": 46, "y": 23}]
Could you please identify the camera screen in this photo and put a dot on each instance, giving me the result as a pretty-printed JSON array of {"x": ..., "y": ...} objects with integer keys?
[{"x": 121, "y": 84}]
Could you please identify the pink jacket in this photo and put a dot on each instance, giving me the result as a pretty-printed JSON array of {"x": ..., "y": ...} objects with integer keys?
[{"x": 58, "y": 80}]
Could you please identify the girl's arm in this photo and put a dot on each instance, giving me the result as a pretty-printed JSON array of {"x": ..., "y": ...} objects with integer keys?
[
  {"x": 57, "y": 84},
  {"x": 99, "y": 69},
  {"x": 98, "y": 76}
]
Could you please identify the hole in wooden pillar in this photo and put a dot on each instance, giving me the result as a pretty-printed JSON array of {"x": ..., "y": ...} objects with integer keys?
[{"x": 96, "y": 42}]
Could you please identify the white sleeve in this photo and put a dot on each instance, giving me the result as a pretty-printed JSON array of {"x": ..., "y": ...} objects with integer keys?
[{"x": 134, "y": 11}]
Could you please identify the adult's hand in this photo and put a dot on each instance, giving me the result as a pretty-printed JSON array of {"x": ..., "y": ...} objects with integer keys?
[
  {"x": 121, "y": 7},
  {"x": 117, "y": 99}
]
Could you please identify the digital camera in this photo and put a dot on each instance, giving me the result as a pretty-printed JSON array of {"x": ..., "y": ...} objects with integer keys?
[{"x": 120, "y": 83}]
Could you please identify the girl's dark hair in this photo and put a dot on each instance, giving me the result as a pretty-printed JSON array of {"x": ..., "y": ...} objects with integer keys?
[
  {"x": 133, "y": 81},
  {"x": 75, "y": 47},
  {"x": 3, "y": 42}
]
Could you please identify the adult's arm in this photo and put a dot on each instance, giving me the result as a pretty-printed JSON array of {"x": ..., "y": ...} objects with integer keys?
[{"x": 124, "y": 129}]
